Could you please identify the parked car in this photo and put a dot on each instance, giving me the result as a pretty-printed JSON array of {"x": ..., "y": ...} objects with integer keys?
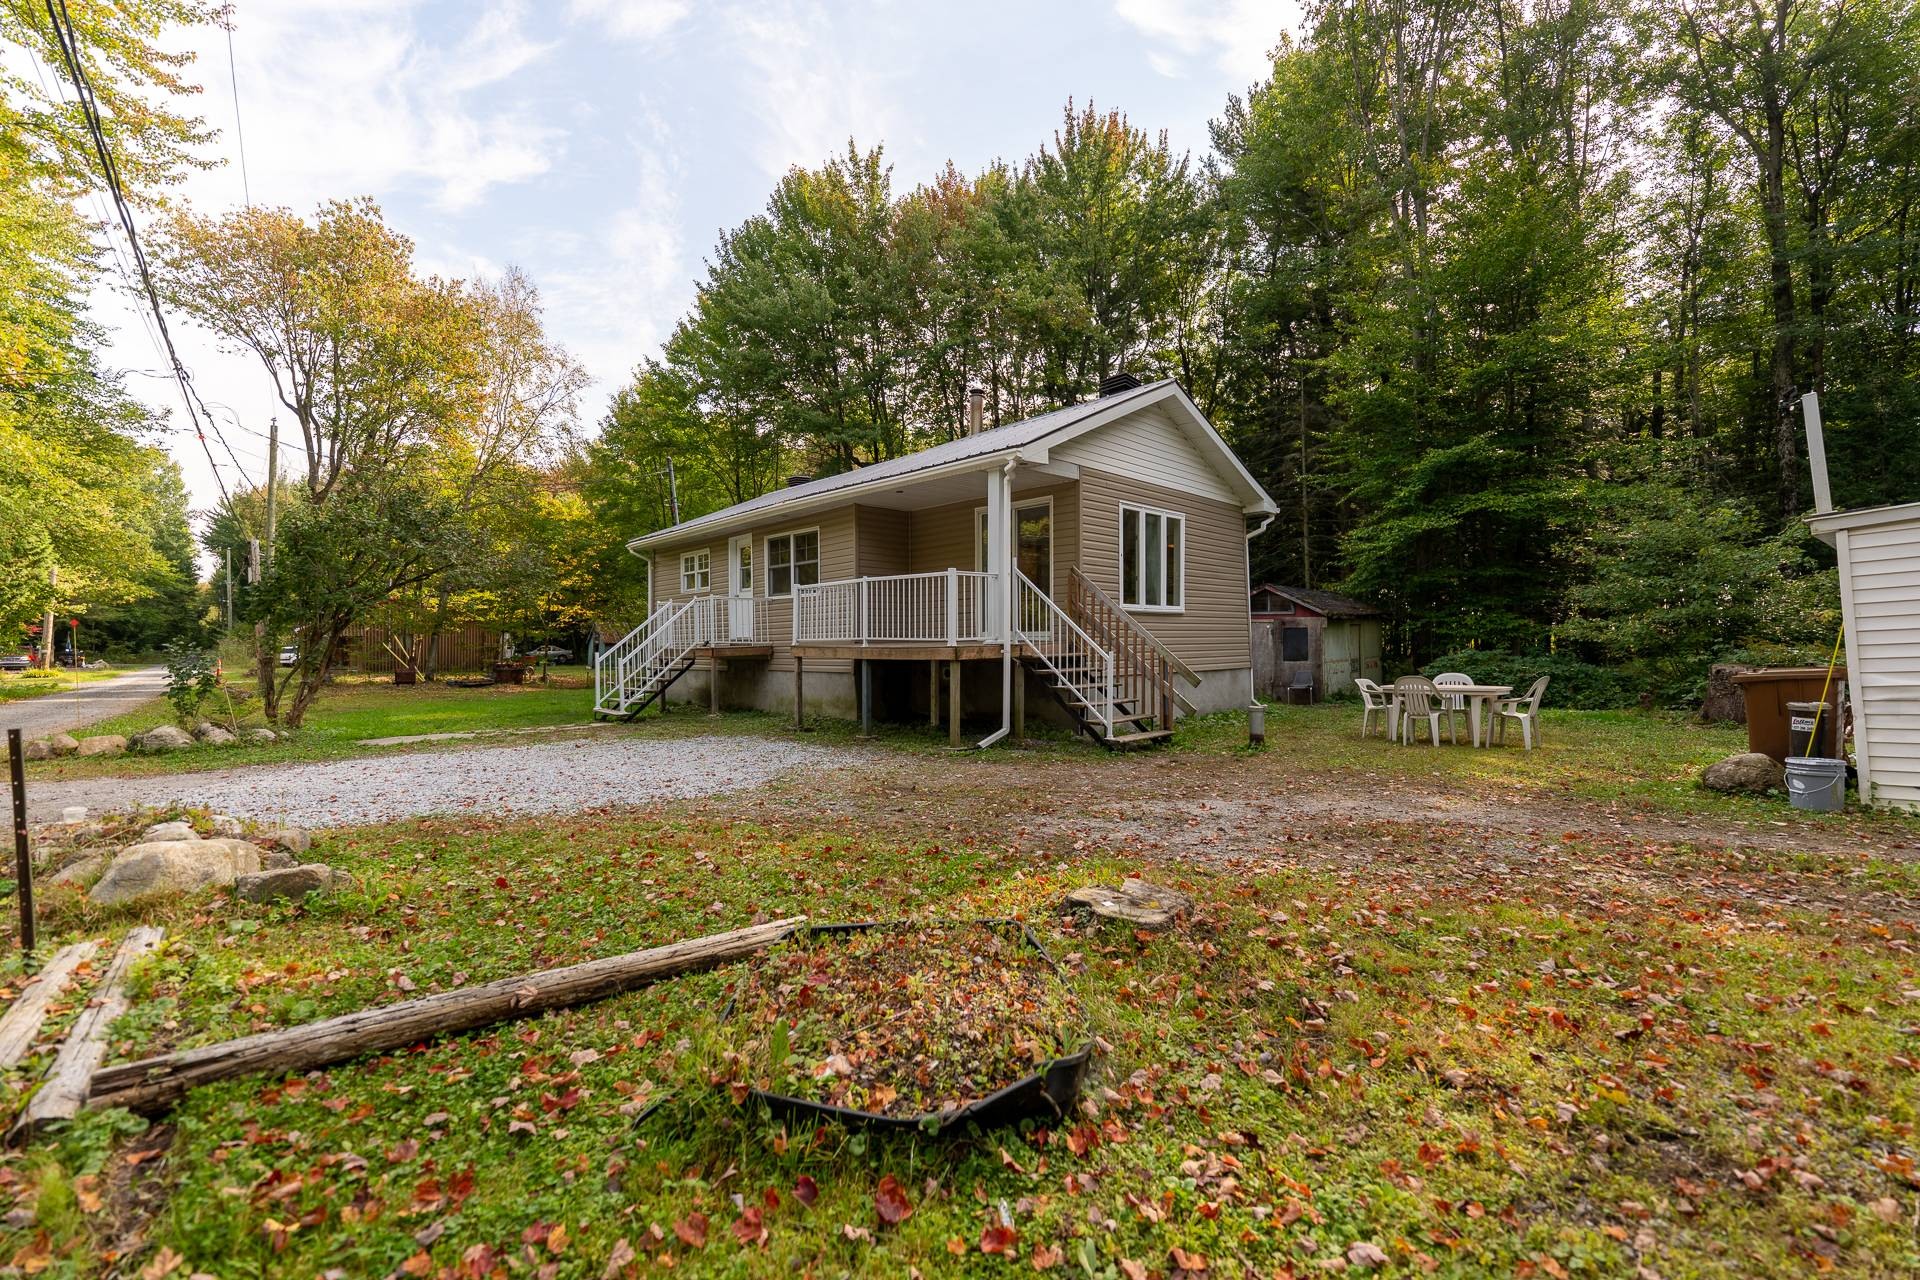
[
  {"x": 290, "y": 656},
  {"x": 550, "y": 653},
  {"x": 16, "y": 662}
]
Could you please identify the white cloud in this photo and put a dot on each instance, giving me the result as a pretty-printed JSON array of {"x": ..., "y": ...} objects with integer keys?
[
  {"x": 632, "y": 19},
  {"x": 811, "y": 88},
  {"x": 1234, "y": 35},
  {"x": 337, "y": 101}
]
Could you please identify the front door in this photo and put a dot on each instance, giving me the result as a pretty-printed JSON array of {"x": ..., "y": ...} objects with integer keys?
[
  {"x": 740, "y": 590},
  {"x": 1032, "y": 556}
]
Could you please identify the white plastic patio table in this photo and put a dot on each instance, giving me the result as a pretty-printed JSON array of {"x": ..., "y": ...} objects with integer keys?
[{"x": 1480, "y": 699}]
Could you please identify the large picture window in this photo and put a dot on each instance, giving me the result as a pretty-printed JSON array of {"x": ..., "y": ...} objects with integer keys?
[
  {"x": 1152, "y": 558},
  {"x": 793, "y": 560},
  {"x": 696, "y": 571}
]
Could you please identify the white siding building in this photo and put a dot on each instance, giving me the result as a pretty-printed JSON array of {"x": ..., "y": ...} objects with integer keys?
[{"x": 1879, "y": 551}]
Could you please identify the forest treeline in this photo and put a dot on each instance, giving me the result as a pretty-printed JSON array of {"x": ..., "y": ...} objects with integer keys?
[{"x": 1509, "y": 305}]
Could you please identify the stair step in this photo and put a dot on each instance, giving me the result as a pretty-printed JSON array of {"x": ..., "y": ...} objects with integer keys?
[{"x": 1146, "y": 735}]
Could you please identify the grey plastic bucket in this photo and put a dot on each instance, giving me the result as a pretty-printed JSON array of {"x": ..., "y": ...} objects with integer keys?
[{"x": 1817, "y": 783}]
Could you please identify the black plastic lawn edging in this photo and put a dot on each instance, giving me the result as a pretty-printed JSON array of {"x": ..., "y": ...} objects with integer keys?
[{"x": 1047, "y": 1094}]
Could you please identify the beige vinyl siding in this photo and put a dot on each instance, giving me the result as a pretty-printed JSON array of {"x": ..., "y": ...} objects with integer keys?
[
  {"x": 1210, "y": 633},
  {"x": 880, "y": 541},
  {"x": 836, "y": 561},
  {"x": 1151, "y": 445},
  {"x": 943, "y": 537}
]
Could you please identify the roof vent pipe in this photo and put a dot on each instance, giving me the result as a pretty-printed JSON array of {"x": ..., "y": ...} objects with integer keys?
[
  {"x": 794, "y": 482},
  {"x": 976, "y": 409}
]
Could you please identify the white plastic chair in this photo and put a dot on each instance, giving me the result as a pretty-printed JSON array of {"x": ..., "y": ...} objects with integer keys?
[
  {"x": 1525, "y": 709},
  {"x": 1418, "y": 701},
  {"x": 1376, "y": 702},
  {"x": 1452, "y": 704}
]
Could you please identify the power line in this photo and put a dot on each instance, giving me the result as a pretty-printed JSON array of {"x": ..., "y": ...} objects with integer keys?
[
  {"x": 69, "y": 43},
  {"x": 225, "y": 19}
]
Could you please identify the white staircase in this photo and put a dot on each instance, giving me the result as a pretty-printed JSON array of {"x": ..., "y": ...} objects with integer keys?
[{"x": 631, "y": 674}]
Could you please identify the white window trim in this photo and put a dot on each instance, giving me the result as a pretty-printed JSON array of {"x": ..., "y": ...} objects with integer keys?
[
  {"x": 979, "y": 513},
  {"x": 687, "y": 575},
  {"x": 1120, "y": 563},
  {"x": 766, "y": 557}
]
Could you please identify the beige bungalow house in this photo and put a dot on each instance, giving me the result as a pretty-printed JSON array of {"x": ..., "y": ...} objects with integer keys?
[{"x": 1096, "y": 554}]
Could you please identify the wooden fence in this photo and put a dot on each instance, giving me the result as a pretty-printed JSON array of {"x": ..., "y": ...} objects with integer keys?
[{"x": 459, "y": 650}]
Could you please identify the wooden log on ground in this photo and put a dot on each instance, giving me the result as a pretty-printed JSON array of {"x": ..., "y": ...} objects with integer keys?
[
  {"x": 29, "y": 1011},
  {"x": 157, "y": 1083},
  {"x": 64, "y": 1091}
]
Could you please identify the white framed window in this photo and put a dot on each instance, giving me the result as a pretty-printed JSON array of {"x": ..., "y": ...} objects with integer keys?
[
  {"x": 696, "y": 570},
  {"x": 1153, "y": 559},
  {"x": 793, "y": 560}
]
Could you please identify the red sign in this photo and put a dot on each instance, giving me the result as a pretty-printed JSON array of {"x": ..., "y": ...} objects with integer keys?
[{"x": 73, "y": 622}]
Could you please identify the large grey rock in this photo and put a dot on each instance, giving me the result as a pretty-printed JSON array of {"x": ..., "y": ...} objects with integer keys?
[
  {"x": 292, "y": 839},
  {"x": 226, "y": 825},
  {"x": 37, "y": 750},
  {"x": 175, "y": 866},
  {"x": 1749, "y": 773},
  {"x": 258, "y": 734},
  {"x": 164, "y": 737},
  {"x": 81, "y": 872},
  {"x": 63, "y": 744},
  {"x": 214, "y": 736},
  {"x": 291, "y": 883},
  {"x": 106, "y": 744},
  {"x": 168, "y": 831},
  {"x": 280, "y": 860}
]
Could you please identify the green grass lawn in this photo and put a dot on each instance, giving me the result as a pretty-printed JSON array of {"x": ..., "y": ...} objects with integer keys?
[
  {"x": 351, "y": 710},
  {"x": 15, "y": 685},
  {"x": 1573, "y": 1067}
]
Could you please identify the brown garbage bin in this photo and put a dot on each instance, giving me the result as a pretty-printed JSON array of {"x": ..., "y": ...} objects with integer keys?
[{"x": 1769, "y": 690}]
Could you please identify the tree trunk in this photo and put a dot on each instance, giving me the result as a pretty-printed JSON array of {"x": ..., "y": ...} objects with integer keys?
[{"x": 157, "y": 1083}]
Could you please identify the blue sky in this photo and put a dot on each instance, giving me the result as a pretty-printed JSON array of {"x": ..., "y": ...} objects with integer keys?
[{"x": 601, "y": 145}]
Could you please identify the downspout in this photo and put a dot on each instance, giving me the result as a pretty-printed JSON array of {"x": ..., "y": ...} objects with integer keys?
[
  {"x": 1256, "y": 714},
  {"x": 1004, "y": 565}
]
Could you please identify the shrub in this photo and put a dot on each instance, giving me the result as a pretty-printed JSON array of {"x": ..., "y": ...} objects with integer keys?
[
  {"x": 192, "y": 678},
  {"x": 1576, "y": 684}
]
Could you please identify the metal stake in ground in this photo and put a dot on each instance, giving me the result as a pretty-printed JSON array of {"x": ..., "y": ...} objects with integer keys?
[{"x": 22, "y": 861}]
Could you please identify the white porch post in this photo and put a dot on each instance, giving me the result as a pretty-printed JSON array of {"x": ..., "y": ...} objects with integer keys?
[{"x": 1000, "y": 560}]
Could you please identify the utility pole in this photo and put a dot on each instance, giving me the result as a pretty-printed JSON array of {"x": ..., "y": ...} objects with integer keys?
[
  {"x": 263, "y": 658},
  {"x": 673, "y": 489},
  {"x": 229, "y": 588},
  {"x": 46, "y": 636}
]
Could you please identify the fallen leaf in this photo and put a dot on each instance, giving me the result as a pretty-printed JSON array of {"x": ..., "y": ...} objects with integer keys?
[
  {"x": 806, "y": 1190},
  {"x": 1366, "y": 1255},
  {"x": 617, "y": 1260},
  {"x": 164, "y": 1263},
  {"x": 890, "y": 1201},
  {"x": 1046, "y": 1257},
  {"x": 692, "y": 1230},
  {"x": 997, "y": 1238}
]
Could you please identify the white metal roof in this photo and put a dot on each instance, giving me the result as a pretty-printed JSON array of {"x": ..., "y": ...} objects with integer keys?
[{"x": 1027, "y": 439}]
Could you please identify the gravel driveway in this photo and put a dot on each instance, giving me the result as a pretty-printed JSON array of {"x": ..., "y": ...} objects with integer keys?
[
  {"x": 88, "y": 704},
  {"x": 565, "y": 776}
]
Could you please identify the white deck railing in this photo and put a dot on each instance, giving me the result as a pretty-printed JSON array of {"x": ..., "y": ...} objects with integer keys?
[
  {"x": 954, "y": 606},
  {"x": 1082, "y": 669},
  {"x": 728, "y": 619}
]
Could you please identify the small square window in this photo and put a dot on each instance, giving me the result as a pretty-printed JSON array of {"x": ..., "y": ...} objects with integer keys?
[{"x": 696, "y": 571}]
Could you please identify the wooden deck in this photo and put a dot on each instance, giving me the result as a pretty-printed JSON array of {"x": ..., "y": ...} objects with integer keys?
[{"x": 723, "y": 651}]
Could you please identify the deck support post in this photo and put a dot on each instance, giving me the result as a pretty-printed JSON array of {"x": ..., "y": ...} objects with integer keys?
[
  {"x": 713, "y": 685},
  {"x": 866, "y": 697},
  {"x": 1019, "y": 705},
  {"x": 799, "y": 694},
  {"x": 933, "y": 693},
  {"x": 953, "y": 703}
]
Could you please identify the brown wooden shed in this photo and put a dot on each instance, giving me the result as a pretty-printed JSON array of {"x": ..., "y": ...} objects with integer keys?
[{"x": 1311, "y": 641}]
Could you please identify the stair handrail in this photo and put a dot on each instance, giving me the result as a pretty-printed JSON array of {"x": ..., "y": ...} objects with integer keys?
[
  {"x": 614, "y": 654},
  {"x": 655, "y": 651},
  {"x": 1102, "y": 708},
  {"x": 1147, "y": 666},
  {"x": 1132, "y": 624}
]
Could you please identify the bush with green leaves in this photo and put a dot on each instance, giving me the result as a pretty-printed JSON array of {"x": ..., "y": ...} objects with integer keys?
[
  {"x": 193, "y": 676},
  {"x": 1576, "y": 684}
]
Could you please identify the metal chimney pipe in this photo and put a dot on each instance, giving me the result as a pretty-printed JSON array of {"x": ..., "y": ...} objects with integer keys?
[{"x": 976, "y": 409}]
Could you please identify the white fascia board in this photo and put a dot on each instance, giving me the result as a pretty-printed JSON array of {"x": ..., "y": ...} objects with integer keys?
[
  {"x": 813, "y": 502},
  {"x": 1832, "y": 522}
]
